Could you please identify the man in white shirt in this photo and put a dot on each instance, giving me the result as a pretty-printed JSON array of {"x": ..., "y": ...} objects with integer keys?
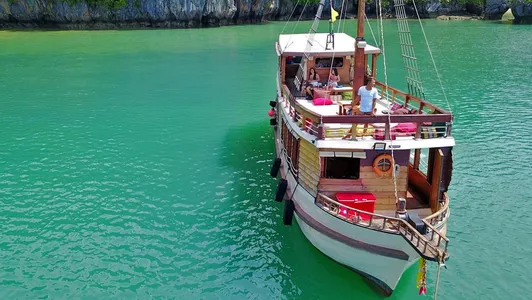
[{"x": 367, "y": 98}]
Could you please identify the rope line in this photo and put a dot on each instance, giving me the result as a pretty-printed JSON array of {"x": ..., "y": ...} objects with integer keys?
[
  {"x": 289, "y": 17},
  {"x": 299, "y": 19},
  {"x": 371, "y": 30},
  {"x": 340, "y": 16},
  {"x": 437, "y": 279},
  {"x": 432, "y": 58}
]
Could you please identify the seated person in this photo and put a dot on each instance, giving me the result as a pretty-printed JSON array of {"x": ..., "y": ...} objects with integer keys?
[
  {"x": 309, "y": 91},
  {"x": 313, "y": 77},
  {"x": 334, "y": 78}
]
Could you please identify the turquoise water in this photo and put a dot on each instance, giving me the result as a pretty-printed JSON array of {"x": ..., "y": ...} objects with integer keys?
[{"x": 135, "y": 165}]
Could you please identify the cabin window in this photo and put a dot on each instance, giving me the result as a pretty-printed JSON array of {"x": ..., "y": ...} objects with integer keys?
[
  {"x": 322, "y": 63},
  {"x": 342, "y": 168}
]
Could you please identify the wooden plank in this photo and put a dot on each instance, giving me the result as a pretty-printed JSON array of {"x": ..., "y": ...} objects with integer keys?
[
  {"x": 308, "y": 163},
  {"x": 369, "y": 169},
  {"x": 371, "y": 182},
  {"x": 385, "y": 206},
  {"x": 312, "y": 178},
  {"x": 310, "y": 158},
  {"x": 358, "y": 188}
]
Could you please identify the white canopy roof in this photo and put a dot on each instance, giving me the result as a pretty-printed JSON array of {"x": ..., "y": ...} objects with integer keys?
[{"x": 344, "y": 45}]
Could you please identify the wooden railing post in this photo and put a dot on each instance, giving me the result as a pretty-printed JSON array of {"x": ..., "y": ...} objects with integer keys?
[
  {"x": 387, "y": 131},
  {"x": 321, "y": 132},
  {"x": 448, "y": 129},
  {"x": 417, "y": 157}
]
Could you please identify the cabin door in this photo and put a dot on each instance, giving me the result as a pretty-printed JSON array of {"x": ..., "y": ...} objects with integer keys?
[{"x": 436, "y": 179}]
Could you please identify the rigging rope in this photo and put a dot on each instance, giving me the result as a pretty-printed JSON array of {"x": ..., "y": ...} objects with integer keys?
[
  {"x": 432, "y": 58},
  {"x": 290, "y": 17},
  {"x": 340, "y": 17},
  {"x": 413, "y": 79},
  {"x": 379, "y": 15},
  {"x": 310, "y": 40},
  {"x": 371, "y": 30},
  {"x": 299, "y": 19},
  {"x": 437, "y": 278}
]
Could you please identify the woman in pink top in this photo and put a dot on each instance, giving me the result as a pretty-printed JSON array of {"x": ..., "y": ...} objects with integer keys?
[{"x": 334, "y": 78}]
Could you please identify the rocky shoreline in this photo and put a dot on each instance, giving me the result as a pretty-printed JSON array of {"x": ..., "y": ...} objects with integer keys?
[{"x": 55, "y": 14}]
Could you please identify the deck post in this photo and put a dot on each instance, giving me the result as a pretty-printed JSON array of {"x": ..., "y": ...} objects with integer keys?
[
  {"x": 360, "y": 44},
  {"x": 417, "y": 156},
  {"x": 374, "y": 65},
  {"x": 321, "y": 132},
  {"x": 436, "y": 180},
  {"x": 448, "y": 129}
]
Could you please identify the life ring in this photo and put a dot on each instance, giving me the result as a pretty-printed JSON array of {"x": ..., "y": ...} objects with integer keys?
[{"x": 383, "y": 165}]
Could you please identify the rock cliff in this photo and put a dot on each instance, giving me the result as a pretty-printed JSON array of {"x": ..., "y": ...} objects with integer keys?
[
  {"x": 81, "y": 14},
  {"x": 145, "y": 13},
  {"x": 522, "y": 11},
  {"x": 495, "y": 9}
]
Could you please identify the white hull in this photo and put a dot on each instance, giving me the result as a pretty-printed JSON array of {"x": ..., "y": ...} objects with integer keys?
[{"x": 378, "y": 256}]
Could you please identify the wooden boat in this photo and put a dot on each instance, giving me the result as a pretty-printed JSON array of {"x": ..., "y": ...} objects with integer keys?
[{"x": 377, "y": 201}]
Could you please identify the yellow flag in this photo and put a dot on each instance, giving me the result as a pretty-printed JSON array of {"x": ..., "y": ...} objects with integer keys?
[{"x": 334, "y": 15}]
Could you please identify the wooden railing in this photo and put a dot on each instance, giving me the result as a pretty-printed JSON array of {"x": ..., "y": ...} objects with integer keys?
[
  {"x": 318, "y": 122},
  {"x": 433, "y": 248},
  {"x": 407, "y": 99},
  {"x": 441, "y": 215}
]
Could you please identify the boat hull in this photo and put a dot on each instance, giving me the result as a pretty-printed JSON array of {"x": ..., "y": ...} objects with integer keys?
[{"x": 378, "y": 256}]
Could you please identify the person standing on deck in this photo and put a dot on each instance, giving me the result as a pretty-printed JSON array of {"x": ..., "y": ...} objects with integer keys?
[{"x": 367, "y": 99}]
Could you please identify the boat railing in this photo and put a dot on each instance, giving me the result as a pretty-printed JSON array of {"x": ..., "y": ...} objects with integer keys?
[
  {"x": 441, "y": 215},
  {"x": 428, "y": 125},
  {"x": 432, "y": 246},
  {"x": 408, "y": 101}
]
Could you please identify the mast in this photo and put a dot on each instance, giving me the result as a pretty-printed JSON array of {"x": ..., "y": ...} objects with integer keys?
[{"x": 360, "y": 44}]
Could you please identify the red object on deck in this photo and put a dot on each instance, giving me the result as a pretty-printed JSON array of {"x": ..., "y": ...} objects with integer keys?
[{"x": 359, "y": 200}]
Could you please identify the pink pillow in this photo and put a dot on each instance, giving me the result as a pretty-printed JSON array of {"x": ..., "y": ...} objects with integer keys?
[
  {"x": 321, "y": 93},
  {"x": 322, "y": 101},
  {"x": 406, "y": 127}
]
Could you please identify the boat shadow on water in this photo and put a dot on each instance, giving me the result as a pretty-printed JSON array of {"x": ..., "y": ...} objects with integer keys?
[{"x": 295, "y": 268}]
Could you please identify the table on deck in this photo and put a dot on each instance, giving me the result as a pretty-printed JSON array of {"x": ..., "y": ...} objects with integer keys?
[
  {"x": 343, "y": 107},
  {"x": 344, "y": 88}
]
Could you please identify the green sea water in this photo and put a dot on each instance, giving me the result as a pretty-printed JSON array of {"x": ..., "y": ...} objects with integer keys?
[{"x": 134, "y": 165}]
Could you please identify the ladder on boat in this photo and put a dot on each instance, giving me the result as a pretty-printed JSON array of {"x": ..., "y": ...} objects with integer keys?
[
  {"x": 413, "y": 79},
  {"x": 298, "y": 81}
]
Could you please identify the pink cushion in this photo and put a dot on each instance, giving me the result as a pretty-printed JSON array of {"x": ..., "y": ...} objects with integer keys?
[
  {"x": 406, "y": 127},
  {"x": 322, "y": 101},
  {"x": 321, "y": 93}
]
